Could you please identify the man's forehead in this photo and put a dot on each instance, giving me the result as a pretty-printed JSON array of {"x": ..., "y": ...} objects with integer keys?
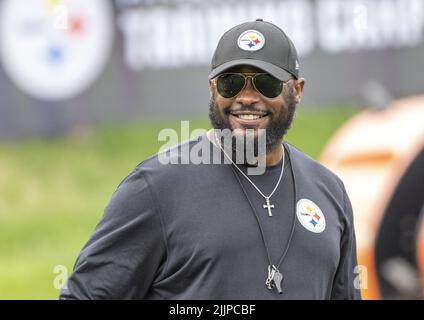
[{"x": 245, "y": 68}]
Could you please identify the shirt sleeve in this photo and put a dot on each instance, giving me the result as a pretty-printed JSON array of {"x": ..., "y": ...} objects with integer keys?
[
  {"x": 126, "y": 249},
  {"x": 345, "y": 284}
]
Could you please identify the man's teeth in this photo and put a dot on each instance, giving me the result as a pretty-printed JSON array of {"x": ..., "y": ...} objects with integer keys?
[{"x": 249, "y": 116}]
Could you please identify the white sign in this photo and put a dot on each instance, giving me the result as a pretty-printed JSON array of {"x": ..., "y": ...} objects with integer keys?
[{"x": 186, "y": 35}]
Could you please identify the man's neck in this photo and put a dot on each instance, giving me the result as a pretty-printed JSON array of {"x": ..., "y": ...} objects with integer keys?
[
  {"x": 272, "y": 158},
  {"x": 275, "y": 156}
]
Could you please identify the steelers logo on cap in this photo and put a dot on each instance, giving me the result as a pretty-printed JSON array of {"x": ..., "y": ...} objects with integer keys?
[
  {"x": 310, "y": 216},
  {"x": 251, "y": 40}
]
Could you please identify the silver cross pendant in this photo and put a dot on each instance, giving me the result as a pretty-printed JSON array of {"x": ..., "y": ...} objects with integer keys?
[{"x": 268, "y": 206}]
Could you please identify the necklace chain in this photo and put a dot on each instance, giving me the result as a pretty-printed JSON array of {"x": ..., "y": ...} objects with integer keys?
[
  {"x": 248, "y": 179},
  {"x": 274, "y": 278}
]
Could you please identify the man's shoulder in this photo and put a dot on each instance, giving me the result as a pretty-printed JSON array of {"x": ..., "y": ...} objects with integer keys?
[
  {"x": 322, "y": 178},
  {"x": 166, "y": 163},
  {"x": 177, "y": 154},
  {"x": 308, "y": 164}
]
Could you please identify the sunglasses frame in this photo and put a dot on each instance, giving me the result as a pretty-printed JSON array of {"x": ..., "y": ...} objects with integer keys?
[{"x": 252, "y": 76}]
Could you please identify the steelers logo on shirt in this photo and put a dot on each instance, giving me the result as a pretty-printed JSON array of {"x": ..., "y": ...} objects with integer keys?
[
  {"x": 251, "y": 40},
  {"x": 310, "y": 216}
]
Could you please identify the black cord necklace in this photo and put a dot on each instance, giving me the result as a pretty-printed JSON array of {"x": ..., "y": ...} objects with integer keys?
[{"x": 275, "y": 278}]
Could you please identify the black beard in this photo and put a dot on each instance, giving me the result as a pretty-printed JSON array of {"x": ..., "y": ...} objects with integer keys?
[{"x": 276, "y": 129}]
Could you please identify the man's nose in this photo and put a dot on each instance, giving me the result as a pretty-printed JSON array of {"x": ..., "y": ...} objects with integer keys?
[{"x": 248, "y": 95}]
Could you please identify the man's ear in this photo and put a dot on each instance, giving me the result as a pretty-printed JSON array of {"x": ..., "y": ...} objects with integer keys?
[
  {"x": 298, "y": 87},
  {"x": 211, "y": 87}
]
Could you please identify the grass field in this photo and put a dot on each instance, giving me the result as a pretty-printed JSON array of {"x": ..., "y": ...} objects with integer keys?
[{"x": 52, "y": 193}]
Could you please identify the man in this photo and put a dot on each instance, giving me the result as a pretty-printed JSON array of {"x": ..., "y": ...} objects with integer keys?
[{"x": 214, "y": 231}]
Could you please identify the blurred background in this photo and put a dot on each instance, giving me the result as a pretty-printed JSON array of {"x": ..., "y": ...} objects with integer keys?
[{"x": 86, "y": 86}]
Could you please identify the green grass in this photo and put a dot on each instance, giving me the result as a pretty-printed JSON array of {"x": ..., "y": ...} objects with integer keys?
[{"x": 53, "y": 192}]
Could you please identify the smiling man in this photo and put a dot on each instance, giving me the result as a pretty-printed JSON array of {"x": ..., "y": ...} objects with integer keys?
[
  {"x": 238, "y": 104},
  {"x": 214, "y": 231}
]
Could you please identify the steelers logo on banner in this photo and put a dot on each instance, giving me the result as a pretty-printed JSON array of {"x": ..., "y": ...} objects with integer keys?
[
  {"x": 55, "y": 49},
  {"x": 310, "y": 216},
  {"x": 251, "y": 40}
]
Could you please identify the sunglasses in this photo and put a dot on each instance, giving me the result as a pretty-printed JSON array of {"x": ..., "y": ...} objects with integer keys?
[{"x": 230, "y": 85}]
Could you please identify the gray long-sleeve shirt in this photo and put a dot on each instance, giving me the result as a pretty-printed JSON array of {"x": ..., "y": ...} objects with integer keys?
[{"x": 186, "y": 231}]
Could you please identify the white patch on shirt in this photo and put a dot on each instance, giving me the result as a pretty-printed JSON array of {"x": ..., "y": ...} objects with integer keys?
[{"x": 310, "y": 216}]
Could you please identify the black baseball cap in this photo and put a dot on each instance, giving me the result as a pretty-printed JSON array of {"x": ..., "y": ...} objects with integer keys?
[{"x": 260, "y": 44}]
